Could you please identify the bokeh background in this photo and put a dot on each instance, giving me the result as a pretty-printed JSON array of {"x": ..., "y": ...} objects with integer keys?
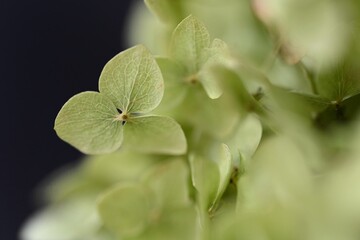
[{"x": 50, "y": 50}]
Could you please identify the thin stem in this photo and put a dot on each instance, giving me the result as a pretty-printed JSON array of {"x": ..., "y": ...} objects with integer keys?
[{"x": 204, "y": 221}]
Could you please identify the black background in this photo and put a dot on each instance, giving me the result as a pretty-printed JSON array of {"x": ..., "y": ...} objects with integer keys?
[{"x": 50, "y": 50}]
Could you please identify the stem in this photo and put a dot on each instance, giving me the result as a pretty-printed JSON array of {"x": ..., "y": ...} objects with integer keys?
[{"x": 204, "y": 222}]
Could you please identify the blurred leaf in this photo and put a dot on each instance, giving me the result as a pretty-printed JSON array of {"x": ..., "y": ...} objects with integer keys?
[
  {"x": 294, "y": 77},
  {"x": 86, "y": 121},
  {"x": 339, "y": 195},
  {"x": 236, "y": 86},
  {"x": 275, "y": 222},
  {"x": 238, "y": 28},
  {"x": 205, "y": 178},
  {"x": 117, "y": 166},
  {"x": 278, "y": 174},
  {"x": 70, "y": 220},
  {"x": 133, "y": 81},
  {"x": 216, "y": 117},
  {"x": 68, "y": 184},
  {"x": 169, "y": 183},
  {"x": 318, "y": 29},
  {"x": 168, "y": 11},
  {"x": 155, "y": 134},
  {"x": 245, "y": 138},
  {"x": 125, "y": 209},
  {"x": 144, "y": 28},
  {"x": 304, "y": 107},
  {"x": 95, "y": 173},
  {"x": 153, "y": 208},
  {"x": 175, "y": 224}
]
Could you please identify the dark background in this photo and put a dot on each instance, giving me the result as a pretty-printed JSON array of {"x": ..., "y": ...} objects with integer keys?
[{"x": 50, "y": 50}]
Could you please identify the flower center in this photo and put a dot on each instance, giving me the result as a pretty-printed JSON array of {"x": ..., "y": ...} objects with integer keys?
[
  {"x": 192, "y": 79},
  {"x": 123, "y": 117}
]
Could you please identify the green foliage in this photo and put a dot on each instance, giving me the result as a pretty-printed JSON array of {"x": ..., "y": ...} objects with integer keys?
[
  {"x": 141, "y": 209},
  {"x": 124, "y": 209},
  {"x": 254, "y": 136}
]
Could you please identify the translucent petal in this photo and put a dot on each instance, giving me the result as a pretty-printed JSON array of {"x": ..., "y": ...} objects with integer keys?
[
  {"x": 155, "y": 134},
  {"x": 188, "y": 41},
  {"x": 133, "y": 81},
  {"x": 87, "y": 121}
]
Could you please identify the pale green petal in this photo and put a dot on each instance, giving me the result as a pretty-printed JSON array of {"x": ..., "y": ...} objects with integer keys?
[
  {"x": 211, "y": 178},
  {"x": 215, "y": 55},
  {"x": 278, "y": 174},
  {"x": 155, "y": 134},
  {"x": 133, "y": 81},
  {"x": 339, "y": 191},
  {"x": 175, "y": 224},
  {"x": 69, "y": 184},
  {"x": 246, "y": 138},
  {"x": 205, "y": 178},
  {"x": 168, "y": 11},
  {"x": 162, "y": 179},
  {"x": 188, "y": 42},
  {"x": 70, "y": 220},
  {"x": 218, "y": 46},
  {"x": 124, "y": 209},
  {"x": 210, "y": 83},
  {"x": 142, "y": 26},
  {"x": 216, "y": 117},
  {"x": 225, "y": 166},
  {"x": 117, "y": 166},
  {"x": 86, "y": 121},
  {"x": 174, "y": 75},
  {"x": 237, "y": 86}
]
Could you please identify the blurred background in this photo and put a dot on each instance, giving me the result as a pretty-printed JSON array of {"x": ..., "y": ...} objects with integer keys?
[{"x": 50, "y": 50}]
